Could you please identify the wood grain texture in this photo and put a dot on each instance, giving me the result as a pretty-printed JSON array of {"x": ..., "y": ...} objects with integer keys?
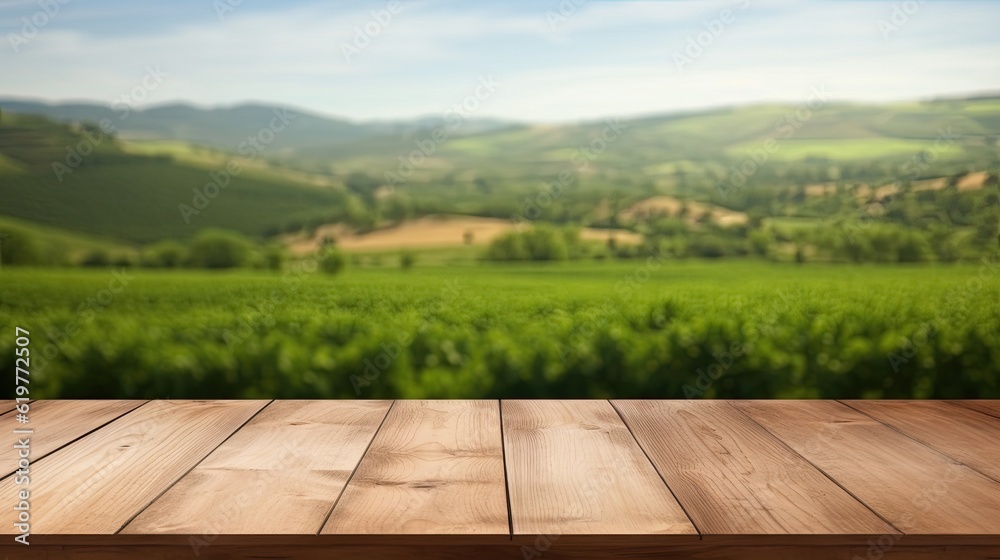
[
  {"x": 762, "y": 479},
  {"x": 97, "y": 483},
  {"x": 988, "y": 407},
  {"x": 435, "y": 467},
  {"x": 960, "y": 433},
  {"x": 733, "y": 477},
  {"x": 280, "y": 474},
  {"x": 574, "y": 468},
  {"x": 57, "y": 423},
  {"x": 552, "y": 551},
  {"x": 913, "y": 486}
]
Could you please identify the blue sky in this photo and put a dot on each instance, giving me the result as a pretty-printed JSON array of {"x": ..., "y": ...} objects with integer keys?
[{"x": 596, "y": 59}]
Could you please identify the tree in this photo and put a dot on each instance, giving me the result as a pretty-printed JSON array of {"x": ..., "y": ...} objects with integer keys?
[
  {"x": 507, "y": 247},
  {"x": 396, "y": 209},
  {"x": 545, "y": 244},
  {"x": 913, "y": 247},
  {"x": 20, "y": 247},
  {"x": 331, "y": 259},
  {"x": 214, "y": 248},
  {"x": 407, "y": 259},
  {"x": 96, "y": 258},
  {"x": 363, "y": 185},
  {"x": 800, "y": 254},
  {"x": 760, "y": 242},
  {"x": 275, "y": 256},
  {"x": 164, "y": 254}
]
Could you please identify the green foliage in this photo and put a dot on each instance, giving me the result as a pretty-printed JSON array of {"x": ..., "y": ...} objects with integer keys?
[
  {"x": 96, "y": 258},
  {"x": 407, "y": 259},
  {"x": 538, "y": 243},
  {"x": 164, "y": 254},
  {"x": 630, "y": 329},
  {"x": 219, "y": 249},
  {"x": 362, "y": 185},
  {"x": 508, "y": 247},
  {"x": 19, "y": 247},
  {"x": 887, "y": 243},
  {"x": 331, "y": 259},
  {"x": 275, "y": 256},
  {"x": 137, "y": 197}
]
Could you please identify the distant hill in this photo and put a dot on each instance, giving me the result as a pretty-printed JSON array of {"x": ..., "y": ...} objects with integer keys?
[
  {"x": 698, "y": 143},
  {"x": 53, "y": 175},
  {"x": 226, "y": 127},
  {"x": 129, "y": 190}
]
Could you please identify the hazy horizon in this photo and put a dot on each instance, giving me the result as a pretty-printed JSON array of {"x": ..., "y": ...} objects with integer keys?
[
  {"x": 552, "y": 62},
  {"x": 990, "y": 93}
]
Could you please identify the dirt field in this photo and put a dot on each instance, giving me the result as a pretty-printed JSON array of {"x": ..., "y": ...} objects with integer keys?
[
  {"x": 672, "y": 206},
  {"x": 972, "y": 181},
  {"x": 430, "y": 232},
  {"x": 821, "y": 189}
]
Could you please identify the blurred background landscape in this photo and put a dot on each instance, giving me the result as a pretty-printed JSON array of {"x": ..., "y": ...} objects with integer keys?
[{"x": 710, "y": 212}]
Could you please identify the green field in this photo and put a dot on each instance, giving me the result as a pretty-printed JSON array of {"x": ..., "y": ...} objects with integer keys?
[
  {"x": 794, "y": 149},
  {"x": 640, "y": 328},
  {"x": 68, "y": 243},
  {"x": 131, "y": 190}
]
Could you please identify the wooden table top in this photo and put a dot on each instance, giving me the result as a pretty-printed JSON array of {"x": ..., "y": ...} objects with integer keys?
[{"x": 207, "y": 475}]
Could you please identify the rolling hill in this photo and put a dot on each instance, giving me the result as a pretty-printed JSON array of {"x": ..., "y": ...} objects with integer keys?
[
  {"x": 132, "y": 190},
  {"x": 226, "y": 127},
  {"x": 55, "y": 175}
]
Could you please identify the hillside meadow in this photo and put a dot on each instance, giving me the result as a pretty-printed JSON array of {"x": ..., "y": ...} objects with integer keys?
[{"x": 654, "y": 327}]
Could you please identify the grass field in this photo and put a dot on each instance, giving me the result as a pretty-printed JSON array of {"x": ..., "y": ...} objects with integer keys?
[
  {"x": 794, "y": 149},
  {"x": 69, "y": 243},
  {"x": 669, "y": 329}
]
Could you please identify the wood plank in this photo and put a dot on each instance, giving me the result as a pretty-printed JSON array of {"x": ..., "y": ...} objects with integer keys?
[
  {"x": 695, "y": 551},
  {"x": 280, "y": 474},
  {"x": 574, "y": 468},
  {"x": 733, "y": 477},
  {"x": 10, "y": 406},
  {"x": 57, "y": 423},
  {"x": 435, "y": 467},
  {"x": 913, "y": 486},
  {"x": 97, "y": 483},
  {"x": 960, "y": 433},
  {"x": 988, "y": 407}
]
